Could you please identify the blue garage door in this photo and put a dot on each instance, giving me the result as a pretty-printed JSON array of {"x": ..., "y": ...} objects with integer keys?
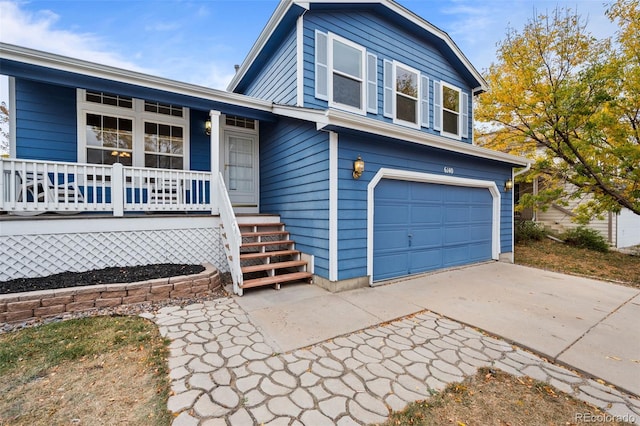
[{"x": 421, "y": 227}]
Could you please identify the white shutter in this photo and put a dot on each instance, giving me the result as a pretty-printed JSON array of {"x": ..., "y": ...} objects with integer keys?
[
  {"x": 424, "y": 101},
  {"x": 372, "y": 83},
  {"x": 322, "y": 68},
  {"x": 437, "y": 106},
  {"x": 388, "y": 89},
  {"x": 464, "y": 122}
]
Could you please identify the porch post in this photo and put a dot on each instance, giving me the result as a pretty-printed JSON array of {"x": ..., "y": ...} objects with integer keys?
[
  {"x": 117, "y": 189},
  {"x": 215, "y": 159}
]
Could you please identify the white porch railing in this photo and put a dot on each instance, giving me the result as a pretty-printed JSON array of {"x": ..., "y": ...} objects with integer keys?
[
  {"x": 231, "y": 235},
  {"x": 31, "y": 187}
]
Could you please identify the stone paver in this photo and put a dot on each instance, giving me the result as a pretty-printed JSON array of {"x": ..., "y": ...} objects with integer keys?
[{"x": 224, "y": 372}]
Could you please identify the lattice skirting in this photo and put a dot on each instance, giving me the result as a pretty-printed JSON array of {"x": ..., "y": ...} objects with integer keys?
[{"x": 24, "y": 255}]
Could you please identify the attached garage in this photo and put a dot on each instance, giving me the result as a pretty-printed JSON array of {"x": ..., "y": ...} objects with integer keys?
[{"x": 423, "y": 222}]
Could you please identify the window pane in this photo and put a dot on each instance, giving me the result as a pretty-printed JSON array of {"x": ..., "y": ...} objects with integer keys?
[
  {"x": 125, "y": 141},
  {"x": 176, "y": 146},
  {"x": 110, "y": 139},
  {"x": 94, "y": 129},
  {"x": 125, "y": 125},
  {"x": 151, "y": 160},
  {"x": 451, "y": 99},
  {"x": 94, "y": 156},
  {"x": 347, "y": 59},
  {"x": 450, "y": 122},
  {"x": 347, "y": 91},
  {"x": 407, "y": 82},
  {"x": 176, "y": 163},
  {"x": 110, "y": 123},
  {"x": 406, "y": 109}
]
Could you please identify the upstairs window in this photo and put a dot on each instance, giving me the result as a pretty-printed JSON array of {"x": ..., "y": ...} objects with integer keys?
[
  {"x": 451, "y": 110},
  {"x": 341, "y": 72},
  {"x": 406, "y": 95}
]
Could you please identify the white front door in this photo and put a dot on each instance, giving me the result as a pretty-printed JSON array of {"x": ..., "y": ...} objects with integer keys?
[{"x": 241, "y": 170}]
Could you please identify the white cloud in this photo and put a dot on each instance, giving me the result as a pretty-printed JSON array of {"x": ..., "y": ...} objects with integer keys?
[{"x": 37, "y": 31}]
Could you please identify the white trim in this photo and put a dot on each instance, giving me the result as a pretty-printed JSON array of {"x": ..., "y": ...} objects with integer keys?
[
  {"x": 407, "y": 175},
  {"x": 92, "y": 69},
  {"x": 331, "y": 38},
  {"x": 285, "y": 5},
  {"x": 321, "y": 68},
  {"x": 333, "y": 206},
  {"x": 300, "y": 61},
  {"x": 334, "y": 118},
  {"x": 12, "y": 118},
  {"x": 214, "y": 146}
]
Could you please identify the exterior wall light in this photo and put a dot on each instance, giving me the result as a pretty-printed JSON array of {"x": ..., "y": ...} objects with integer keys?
[
  {"x": 508, "y": 185},
  {"x": 358, "y": 168},
  {"x": 207, "y": 127}
]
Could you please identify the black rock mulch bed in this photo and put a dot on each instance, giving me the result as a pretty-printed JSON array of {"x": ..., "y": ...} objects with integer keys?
[{"x": 127, "y": 274}]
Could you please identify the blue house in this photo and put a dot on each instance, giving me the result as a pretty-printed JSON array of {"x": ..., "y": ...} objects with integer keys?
[{"x": 342, "y": 152}]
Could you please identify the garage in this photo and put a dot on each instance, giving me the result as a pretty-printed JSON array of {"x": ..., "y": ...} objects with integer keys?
[{"x": 423, "y": 226}]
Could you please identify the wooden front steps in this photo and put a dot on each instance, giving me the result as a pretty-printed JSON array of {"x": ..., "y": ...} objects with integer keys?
[{"x": 269, "y": 257}]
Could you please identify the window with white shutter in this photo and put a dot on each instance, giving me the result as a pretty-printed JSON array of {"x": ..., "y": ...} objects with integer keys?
[
  {"x": 322, "y": 66},
  {"x": 372, "y": 83}
]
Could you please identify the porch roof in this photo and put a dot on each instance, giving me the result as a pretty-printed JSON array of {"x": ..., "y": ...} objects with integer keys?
[{"x": 37, "y": 65}]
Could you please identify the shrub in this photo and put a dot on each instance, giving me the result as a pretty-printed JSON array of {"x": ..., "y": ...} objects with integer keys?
[
  {"x": 586, "y": 238},
  {"x": 528, "y": 230}
]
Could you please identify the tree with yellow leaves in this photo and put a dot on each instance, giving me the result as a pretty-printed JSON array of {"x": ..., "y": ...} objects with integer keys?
[{"x": 571, "y": 102}]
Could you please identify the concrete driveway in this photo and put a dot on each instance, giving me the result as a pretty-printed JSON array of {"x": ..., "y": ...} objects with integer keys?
[{"x": 588, "y": 325}]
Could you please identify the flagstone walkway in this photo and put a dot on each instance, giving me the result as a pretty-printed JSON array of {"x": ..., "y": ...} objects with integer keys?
[{"x": 223, "y": 371}]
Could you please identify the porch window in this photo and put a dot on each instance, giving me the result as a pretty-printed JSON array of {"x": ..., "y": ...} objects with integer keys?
[
  {"x": 131, "y": 131},
  {"x": 109, "y": 139},
  {"x": 163, "y": 146}
]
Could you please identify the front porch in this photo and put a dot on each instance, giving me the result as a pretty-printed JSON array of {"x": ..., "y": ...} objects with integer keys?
[{"x": 30, "y": 187}]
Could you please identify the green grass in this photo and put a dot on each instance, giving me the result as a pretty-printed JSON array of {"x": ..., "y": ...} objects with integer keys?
[{"x": 48, "y": 345}]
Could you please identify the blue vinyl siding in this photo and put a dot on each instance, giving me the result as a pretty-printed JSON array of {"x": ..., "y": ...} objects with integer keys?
[
  {"x": 294, "y": 183},
  {"x": 46, "y": 124},
  {"x": 199, "y": 142},
  {"x": 387, "y": 41},
  {"x": 394, "y": 154},
  {"x": 277, "y": 79}
]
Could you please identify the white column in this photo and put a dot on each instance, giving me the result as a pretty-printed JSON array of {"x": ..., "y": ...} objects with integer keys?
[{"x": 215, "y": 157}]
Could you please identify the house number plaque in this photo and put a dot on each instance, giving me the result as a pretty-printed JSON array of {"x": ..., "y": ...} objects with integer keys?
[{"x": 448, "y": 170}]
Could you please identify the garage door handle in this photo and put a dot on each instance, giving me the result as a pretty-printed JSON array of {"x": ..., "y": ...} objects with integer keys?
[{"x": 410, "y": 236}]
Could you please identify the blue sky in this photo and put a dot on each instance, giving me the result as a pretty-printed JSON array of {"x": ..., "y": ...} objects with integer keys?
[{"x": 199, "y": 41}]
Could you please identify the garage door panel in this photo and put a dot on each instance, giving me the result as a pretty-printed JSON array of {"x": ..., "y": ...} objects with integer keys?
[
  {"x": 392, "y": 239},
  {"x": 425, "y": 260},
  {"x": 426, "y": 214},
  {"x": 392, "y": 265},
  {"x": 395, "y": 214},
  {"x": 449, "y": 226},
  {"x": 426, "y": 237},
  {"x": 434, "y": 195},
  {"x": 456, "y": 214}
]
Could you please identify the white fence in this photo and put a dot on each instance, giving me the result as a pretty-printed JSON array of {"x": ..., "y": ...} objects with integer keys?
[{"x": 31, "y": 187}]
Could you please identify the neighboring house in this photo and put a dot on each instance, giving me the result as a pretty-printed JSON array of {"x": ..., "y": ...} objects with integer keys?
[
  {"x": 619, "y": 229},
  {"x": 327, "y": 88}
]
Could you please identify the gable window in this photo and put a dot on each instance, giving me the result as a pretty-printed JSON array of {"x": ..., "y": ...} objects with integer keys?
[
  {"x": 133, "y": 132},
  {"x": 406, "y": 95},
  {"x": 451, "y": 110},
  {"x": 340, "y": 72}
]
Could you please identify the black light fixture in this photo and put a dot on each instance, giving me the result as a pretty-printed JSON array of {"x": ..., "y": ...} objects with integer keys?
[
  {"x": 508, "y": 185},
  {"x": 358, "y": 168}
]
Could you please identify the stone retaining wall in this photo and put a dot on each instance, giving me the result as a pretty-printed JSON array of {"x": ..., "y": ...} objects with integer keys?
[{"x": 18, "y": 307}]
